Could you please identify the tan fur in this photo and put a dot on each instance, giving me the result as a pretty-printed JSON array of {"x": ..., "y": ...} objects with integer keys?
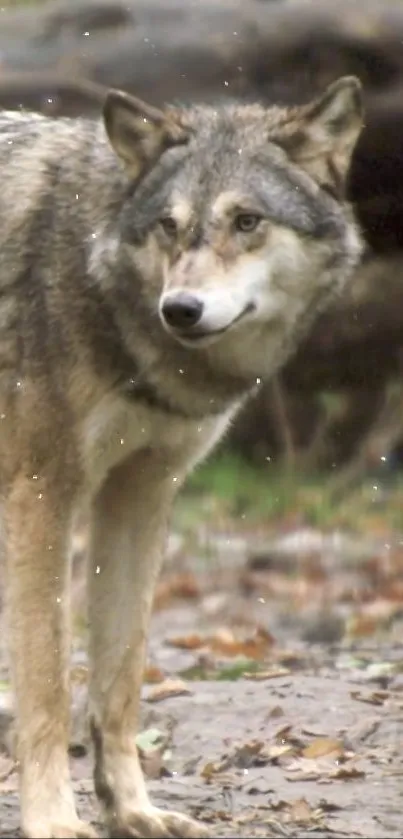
[{"x": 107, "y": 403}]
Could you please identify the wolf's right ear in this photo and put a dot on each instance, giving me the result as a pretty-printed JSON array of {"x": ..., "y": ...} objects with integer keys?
[
  {"x": 139, "y": 133},
  {"x": 323, "y": 134}
]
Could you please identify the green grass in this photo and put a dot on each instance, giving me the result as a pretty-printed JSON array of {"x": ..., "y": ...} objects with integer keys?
[
  {"x": 227, "y": 487},
  {"x": 224, "y": 673}
]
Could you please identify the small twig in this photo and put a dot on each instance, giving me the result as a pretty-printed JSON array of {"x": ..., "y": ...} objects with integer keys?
[{"x": 283, "y": 423}]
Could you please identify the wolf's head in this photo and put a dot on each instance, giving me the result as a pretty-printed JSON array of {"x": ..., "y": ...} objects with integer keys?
[{"x": 237, "y": 216}]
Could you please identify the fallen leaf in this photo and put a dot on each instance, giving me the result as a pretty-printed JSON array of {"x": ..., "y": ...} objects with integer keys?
[
  {"x": 360, "y": 732},
  {"x": 247, "y": 754},
  {"x": 323, "y": 746},
  {"x": 151, "y": 738},
  {"x": 322, "y": 770},
  {"x": 153, "y": 675},
  {"x": 301, "y": 812},
  {"x": 218, "y": 771},
  {"x": 347, "y": 772},
  {"x": 187, "y": 642},
  {"x": 275, "y": 712},
  {"x": 153, "y": 752},
  {"x": 255, "y": 646},
  {"x": 264, "y": 675},
  {"x": 181, "y": 585},
  {"x": 168, "y": 688},
  {"x": 224, "y": 642},
  {"x": 283, "y": 732},
  {"x": 377, "y": 697},
  {"x": 277, "y": 751}
]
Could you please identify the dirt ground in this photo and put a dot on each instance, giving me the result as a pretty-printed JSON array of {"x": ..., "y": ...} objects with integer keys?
[{"x": 273, "y": 695}]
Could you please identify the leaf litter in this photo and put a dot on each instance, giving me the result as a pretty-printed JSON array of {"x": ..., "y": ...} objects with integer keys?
[{"x": 268, "y": 714}]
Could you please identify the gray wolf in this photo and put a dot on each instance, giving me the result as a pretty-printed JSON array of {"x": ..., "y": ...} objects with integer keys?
[{"x": 155, "y": 266}]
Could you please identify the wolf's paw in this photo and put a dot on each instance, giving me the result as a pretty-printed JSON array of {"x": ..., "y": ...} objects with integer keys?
[
  {"x": 152, "y": 823},
  {"x": 58, "y": 828}
]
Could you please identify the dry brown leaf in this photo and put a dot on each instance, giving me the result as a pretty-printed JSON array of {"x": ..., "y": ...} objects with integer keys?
[
  {"x": 264, "y": 675},
  {"x": 301, "y": 812},
  {"x": 377, "y": 697},
  {"x": 214, "y": 770},
  {"x": 224, "y": 642},
  {"x": 362, "y": 626},
  {"x": 322, "y": 747},
  {"x": 153, "y": 675},
  {"x": 183, "y": 585},
  {"x": 208, "y": 771},
  {"x": 321, "y": 769},
  {"x": 303, "y": 770},
  {"x": 275, "y": 712},
  {"x": 347, "y": 772},
  {"x": 187, "y": 642},
  {"x": 168, "y": 688},
  {"x": 283, "y": 732},
  {"x": 275, "y": 752},
  {"x": 247, "y": 753},
  {"x": 255, "y": 646}
]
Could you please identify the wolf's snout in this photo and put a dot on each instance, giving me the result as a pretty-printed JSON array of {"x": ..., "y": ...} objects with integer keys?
[{"x": 182, "y": 310}]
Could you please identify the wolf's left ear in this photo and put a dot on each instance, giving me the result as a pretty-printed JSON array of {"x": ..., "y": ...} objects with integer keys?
[
  {"x": 139, "y": 133},
  {"x": 327, "y": 132}
]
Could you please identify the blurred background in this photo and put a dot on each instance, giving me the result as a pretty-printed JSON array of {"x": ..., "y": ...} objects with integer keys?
[{"x": 291, "y": 534}]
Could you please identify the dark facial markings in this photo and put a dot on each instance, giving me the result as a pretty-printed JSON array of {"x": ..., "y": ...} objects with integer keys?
[{"x": 211, "y": 164}]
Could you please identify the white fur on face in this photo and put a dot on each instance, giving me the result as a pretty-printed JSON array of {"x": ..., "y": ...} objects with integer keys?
[{"x": 257, "y": 287}]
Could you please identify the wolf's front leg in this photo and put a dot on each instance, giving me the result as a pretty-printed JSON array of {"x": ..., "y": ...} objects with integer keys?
[
  {"x": 129, "y": 526},
  {"x": 37, "y": 528}
]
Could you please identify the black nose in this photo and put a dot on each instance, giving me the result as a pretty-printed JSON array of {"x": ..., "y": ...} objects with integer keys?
[{"x": 182, "y": 310}]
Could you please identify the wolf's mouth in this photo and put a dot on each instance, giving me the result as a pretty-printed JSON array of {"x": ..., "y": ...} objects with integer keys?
[{"x": 199, "y": 335}]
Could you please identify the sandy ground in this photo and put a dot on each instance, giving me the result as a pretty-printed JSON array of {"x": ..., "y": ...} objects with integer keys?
[{"x": 289, "y": 720}]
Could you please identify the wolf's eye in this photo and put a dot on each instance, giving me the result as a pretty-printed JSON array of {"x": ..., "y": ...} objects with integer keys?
[
  {"x": 169, "y": 226},
  {"x": 246, "y": 222}
]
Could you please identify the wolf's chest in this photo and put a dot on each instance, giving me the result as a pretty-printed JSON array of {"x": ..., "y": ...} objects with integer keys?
[{"x": 115, "y": 429}]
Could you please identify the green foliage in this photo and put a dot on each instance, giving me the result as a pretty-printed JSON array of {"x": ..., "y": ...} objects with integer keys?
[{"x": 227, "y": 487}]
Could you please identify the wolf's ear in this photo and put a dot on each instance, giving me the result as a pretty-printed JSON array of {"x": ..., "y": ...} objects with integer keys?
[
  {"x": 138, "y": 132},
  {"x": 326, "y": 133}
]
